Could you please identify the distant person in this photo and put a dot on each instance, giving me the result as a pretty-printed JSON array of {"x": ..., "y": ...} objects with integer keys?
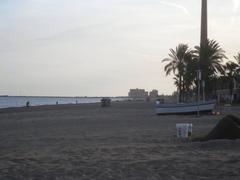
[
  {"x": 76, "y": 102},
  {"x": 56, "y": 102},
  {"x": 27, "y": 104}
]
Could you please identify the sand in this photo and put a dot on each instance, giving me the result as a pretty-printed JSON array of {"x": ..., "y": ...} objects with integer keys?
[{"x": 125, "y": 141}]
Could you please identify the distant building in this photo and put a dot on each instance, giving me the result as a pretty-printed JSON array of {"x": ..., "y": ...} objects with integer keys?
[
  {"x": 224, "y": 95},
  {"x": 153, "y": 94},
  {"x": 138, "y": 94}
]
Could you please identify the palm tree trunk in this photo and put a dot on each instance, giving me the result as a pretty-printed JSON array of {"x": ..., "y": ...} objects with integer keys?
[
  {"x": 180, "y": 88},
  {"x": 231, "y": 90}
]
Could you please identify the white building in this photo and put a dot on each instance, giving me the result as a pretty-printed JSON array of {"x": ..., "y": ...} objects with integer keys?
[{"x": 138, "y": 94}]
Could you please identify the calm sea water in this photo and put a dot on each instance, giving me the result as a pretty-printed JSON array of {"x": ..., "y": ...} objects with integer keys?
[{"x": 20, "y": 101}]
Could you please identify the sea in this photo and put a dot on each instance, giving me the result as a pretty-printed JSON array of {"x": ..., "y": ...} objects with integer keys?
[{"x": 20, "y": 101}]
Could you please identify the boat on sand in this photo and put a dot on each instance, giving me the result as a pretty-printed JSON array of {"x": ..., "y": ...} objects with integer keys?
[{"x": 185, "y": 108}]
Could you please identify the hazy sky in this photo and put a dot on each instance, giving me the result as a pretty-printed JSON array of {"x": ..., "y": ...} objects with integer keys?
[{"x": 102, "y": 47}]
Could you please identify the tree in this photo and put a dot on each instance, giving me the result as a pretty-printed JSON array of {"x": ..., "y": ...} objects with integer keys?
[
  {"x": 231, "y": 75},
  {"x": 237, "y": 58},
  {"x": 177, "y": 63},
  {"x": 210, "y": 57},
  {"x": 190, "y": 71}
]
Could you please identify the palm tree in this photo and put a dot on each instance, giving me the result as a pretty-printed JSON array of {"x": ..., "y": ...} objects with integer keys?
[
  {"x": 210, "y": 57},
  {"x": 237, "y": 58},
  {"x": 231, "y": 75},
  {"x": 189, "y": 77},
  {"x": 191, "y": 70},
  {"x": 177, "y": 63}
]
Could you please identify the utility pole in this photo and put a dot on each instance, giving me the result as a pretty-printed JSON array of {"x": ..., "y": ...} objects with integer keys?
[
  {"x": 204, "y": 23},
  {"x": 203, "y": 43}
]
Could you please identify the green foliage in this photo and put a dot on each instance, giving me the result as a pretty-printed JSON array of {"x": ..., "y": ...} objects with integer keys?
[
  {"x": 177, "y": 63},
  {"x": 231, "y": 74},
  {"x": 237, "y": 58},
  {"x": 210, "y": 58},
  {"x": 184, "y": 62}
]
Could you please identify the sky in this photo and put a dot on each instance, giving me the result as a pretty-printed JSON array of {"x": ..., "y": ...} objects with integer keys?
[{"x": 102, "y": 47}]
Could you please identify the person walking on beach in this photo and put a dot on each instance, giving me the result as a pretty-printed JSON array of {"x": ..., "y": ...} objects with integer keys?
[{"x": 27, "y": 104}]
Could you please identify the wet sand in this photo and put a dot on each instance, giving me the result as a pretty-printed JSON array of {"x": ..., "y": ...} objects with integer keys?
[{"x": 125, "y": 141}]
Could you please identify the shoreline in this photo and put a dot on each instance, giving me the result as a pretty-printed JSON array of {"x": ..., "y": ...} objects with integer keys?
[
  {"x": 67, "y": 106},
  {"x": 65, "y": 96},
  {"x": 20, "y": 101},
  {"x": 45, "y": 107}
]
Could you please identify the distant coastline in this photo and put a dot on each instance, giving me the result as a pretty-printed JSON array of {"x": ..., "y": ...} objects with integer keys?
[
  {"x": 21, "y": 101},
  {"x": 65, "y": 96}
]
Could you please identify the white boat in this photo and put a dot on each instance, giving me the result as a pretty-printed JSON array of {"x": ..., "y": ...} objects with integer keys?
[{"x": 185, "y": 108}]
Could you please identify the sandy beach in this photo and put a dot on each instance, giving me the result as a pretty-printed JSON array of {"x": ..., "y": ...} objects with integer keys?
[{"x": 124, "y": 141}]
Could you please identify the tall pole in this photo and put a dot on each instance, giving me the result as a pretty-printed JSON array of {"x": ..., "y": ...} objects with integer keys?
[
  {"x": 204, "y": 23},
  {"x": 203, "y": 42}
]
